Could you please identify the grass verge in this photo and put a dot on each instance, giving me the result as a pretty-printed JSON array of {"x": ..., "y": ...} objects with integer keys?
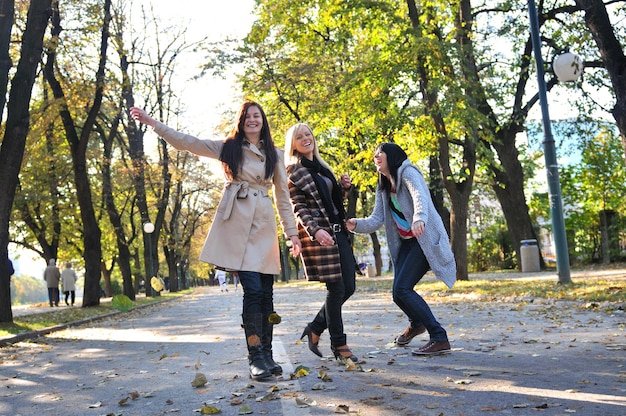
[
  {"x": 63, "y": 315},
  {"x": 589, "y": 289}
]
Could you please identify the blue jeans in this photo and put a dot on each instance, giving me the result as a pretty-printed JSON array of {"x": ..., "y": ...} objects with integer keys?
[
  {"x": 337, "y": 293},
  {"x": 410, "y": 266},
  {"x": 258, "y": 292}
]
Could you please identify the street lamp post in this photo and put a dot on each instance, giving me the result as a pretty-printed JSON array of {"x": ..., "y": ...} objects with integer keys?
[
  {"x": 148, "y": 228},
  {"x": 552, "y": 168}
]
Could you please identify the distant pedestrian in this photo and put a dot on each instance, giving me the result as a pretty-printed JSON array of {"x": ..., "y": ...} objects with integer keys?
[
  {"x": 11, "y": 269},
  {"x": 68, "y": 282},
  {"x": 52, "y": 275},
  {"x": 236, "y": 280},
  {"x": 416, "y": 238},
  {"x": 220, "y": 276}
]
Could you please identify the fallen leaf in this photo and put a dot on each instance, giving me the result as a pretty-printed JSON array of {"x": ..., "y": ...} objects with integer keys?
[
  {"x": 324, "y": 376},
  {"x": 199, "y": 380},
  {"x": 305, "y": 402},
  {"x": 209, "y": 410},
  {"x": 343, "y": 409},
  {"x": 301, "y": 371},
  {"x": 244, "y": 410}
]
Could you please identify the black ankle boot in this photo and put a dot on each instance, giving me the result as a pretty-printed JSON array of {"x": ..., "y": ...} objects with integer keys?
[{"x": 258, "y": 366}]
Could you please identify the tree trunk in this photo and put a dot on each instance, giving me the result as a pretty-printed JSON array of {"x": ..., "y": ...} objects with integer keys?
[
  {"x": 7, "y": 11},
  {"x": 436, "y": 192},
  {"x": 78, "y": 145},
  {"x": 460, "y": 191},
  {"x": 509, "y": 188},
  {"x": 115, "y": 217},
  {"x": 599, "y": 24},
  {"x": 15, "y": 132}
]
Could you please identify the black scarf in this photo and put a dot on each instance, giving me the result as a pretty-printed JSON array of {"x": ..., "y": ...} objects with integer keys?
[{"x": 332, "y": 201}]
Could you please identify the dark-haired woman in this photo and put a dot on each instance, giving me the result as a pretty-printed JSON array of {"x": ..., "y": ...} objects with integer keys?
[
  {"x": 243, "y": 235},
  {"x": 317, "y": 199},
  {"x": 417, "y": 241}
]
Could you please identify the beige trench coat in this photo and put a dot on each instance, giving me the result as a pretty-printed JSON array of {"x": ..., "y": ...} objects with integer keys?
[{"x": 243, "y": 235}]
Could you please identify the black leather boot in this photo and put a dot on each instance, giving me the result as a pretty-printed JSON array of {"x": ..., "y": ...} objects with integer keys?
[
  {"x": 252, "y": 326},
  {"x": 266, "y": 341}
]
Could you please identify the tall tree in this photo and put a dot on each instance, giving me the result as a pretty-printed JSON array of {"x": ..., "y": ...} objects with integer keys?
[
  {"x": 599, "y": 24},
  {"x": 15, "y": 132},
  {"x": 7, "y": 10},
  {"x": 78, "y": 139}
]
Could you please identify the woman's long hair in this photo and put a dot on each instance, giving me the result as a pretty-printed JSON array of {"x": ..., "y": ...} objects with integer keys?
[
  {"x": 291, "y": 154},
  {"x": 232, "y": 152},
  {"x": 395, "y": 156}
]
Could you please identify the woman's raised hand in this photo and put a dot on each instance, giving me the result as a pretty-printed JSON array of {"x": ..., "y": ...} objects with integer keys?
[{"x": 141, "y": 116}]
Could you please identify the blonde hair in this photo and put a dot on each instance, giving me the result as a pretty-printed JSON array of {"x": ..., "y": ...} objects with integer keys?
[{"x": 291, "y": 154}]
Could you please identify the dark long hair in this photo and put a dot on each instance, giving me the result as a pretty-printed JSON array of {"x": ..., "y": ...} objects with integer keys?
[
  {"x": 395, "y": 156},
  {"x": 232, "y": 152}
]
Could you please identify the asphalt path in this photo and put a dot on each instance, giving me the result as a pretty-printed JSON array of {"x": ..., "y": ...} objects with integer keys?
[{"x": 510, "y": 357}]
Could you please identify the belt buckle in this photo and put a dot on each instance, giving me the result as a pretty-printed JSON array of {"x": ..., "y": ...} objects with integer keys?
[{"x": 336, "y": 228}]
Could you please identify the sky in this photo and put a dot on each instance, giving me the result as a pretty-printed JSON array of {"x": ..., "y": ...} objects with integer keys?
[
  {"x": 205, "y": 99},
  {"x": 209, "y": 97}
]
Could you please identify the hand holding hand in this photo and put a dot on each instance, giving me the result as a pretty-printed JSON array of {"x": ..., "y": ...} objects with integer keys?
[
  {"x": 141, "y": 116},
  {"x": 345, "y": 180},
  {"x": 296, "y": 246},
  {"x": 324, "y": 238}
]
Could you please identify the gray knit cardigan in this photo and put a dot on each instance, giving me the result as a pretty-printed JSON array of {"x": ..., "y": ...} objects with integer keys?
[{"x": 416, "y": 204}]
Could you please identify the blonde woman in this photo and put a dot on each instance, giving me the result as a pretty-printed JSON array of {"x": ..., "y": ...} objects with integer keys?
[{"x": 317, "y": 199}]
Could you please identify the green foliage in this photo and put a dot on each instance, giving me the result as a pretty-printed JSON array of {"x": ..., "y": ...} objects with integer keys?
[
  {"x": 27, "y": 290},
  {"x": 122, "y": 303},
  {"x": 490, "y": 248},
  {"x": 596, "y": 183}
]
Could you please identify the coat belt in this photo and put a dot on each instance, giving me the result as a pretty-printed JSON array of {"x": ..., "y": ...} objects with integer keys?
[{"x": 237, "y": 190}]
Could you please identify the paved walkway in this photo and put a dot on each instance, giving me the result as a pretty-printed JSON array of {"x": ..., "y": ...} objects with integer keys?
[{"x": 509, "y": 358}]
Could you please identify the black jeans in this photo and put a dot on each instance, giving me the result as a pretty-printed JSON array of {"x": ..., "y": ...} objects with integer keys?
[
  {"x": 53, "y": 296},
  {"x": 329, "y": 316},
  {"x": 69, "y": 293}
]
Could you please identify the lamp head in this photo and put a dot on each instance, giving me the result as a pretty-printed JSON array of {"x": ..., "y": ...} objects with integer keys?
[
  {"x": 567, "y": 66},
  {"x": 148, "y": 227}
]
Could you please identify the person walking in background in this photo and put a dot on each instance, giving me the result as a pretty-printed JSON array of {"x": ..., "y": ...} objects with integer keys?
[
  {"x": 68, "y": 282},
  {"x": 317, "y": 200},
  {"x": 243, "y": 235},
  {"x": 220, "y": 276},
  {"x": 11, "y": 269},
  {"x": 236, "y": 280},
  {"x": 52, "y": 275},
  {"x": 417, "y": 241}
]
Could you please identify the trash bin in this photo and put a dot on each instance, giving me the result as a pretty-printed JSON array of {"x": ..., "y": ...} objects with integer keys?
[
  {"x": 529, "y": 252},
  {"x": 371, "y": 271}
]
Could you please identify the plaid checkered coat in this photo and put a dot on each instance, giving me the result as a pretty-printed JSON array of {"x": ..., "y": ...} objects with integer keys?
[{"x": 321, "y": 263}]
